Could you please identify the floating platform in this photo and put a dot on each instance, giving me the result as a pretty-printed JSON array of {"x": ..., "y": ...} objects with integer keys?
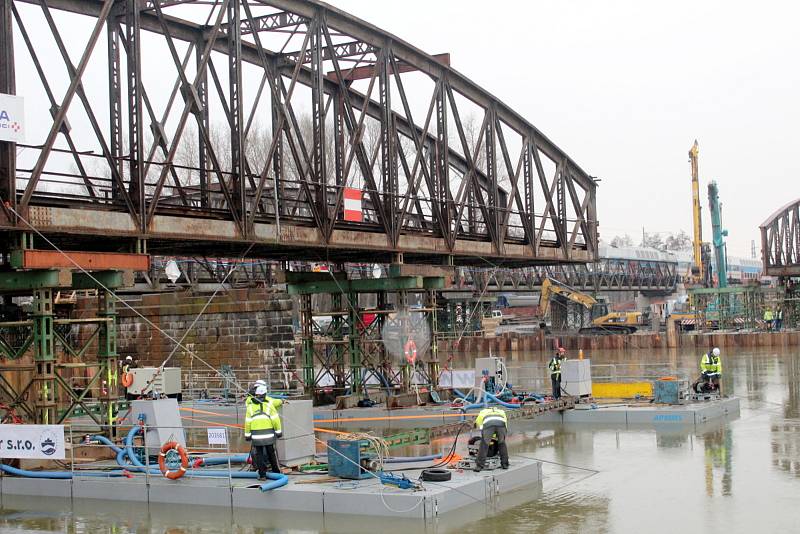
[
  {"x": 692, "y": 413},
  {"x": 366, "y": 497}
]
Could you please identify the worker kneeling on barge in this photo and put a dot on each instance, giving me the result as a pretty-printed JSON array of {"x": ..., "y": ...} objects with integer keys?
[{"x": 493, "y": 423}]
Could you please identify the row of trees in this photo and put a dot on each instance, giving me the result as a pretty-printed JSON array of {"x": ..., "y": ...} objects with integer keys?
[{"x": 660, "y": 241}]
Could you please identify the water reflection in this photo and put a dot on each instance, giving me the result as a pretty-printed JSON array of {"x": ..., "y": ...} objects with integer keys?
[
  {"x": 785, "y": 431},
  {"x": 718, "y": 449}
]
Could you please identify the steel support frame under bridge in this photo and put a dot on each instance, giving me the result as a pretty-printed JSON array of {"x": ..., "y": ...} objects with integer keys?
[
  {"x": 432, "y": 193},
  {"x": 352, "y": 351}
]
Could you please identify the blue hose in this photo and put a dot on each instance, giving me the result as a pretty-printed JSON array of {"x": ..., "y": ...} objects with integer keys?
[
  {"x": 222, "y": 460},
  {"x": 502, "y": 403},
  {"x": 63, "y": 475},
  {"x": 105, "y": 441},
  {"x": 277, "y": 480},
  {"x": 488, "y": 396}
]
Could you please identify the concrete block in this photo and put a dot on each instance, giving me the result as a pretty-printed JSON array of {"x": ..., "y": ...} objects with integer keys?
[
  {"x": 289, "y": 498},
  {"x": 518, "y": 476},
  {"x": 135, "y": 490},
  {"x": 603, "y": 415},
  {"x": 384, "y": 501},
  {"x": 296, "y": 451},
  {"x": 681, "y": 416},
  {"x": 38, "y": 487},
  {"x": 192, "y": 491}
]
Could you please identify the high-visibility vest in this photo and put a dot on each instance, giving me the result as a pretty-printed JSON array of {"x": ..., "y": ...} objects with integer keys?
[
  {"x": 261, "y": 421},
  {"x": 768, "y": 315},
  {"x": 555, "y": 366},
  {"x": 710, "y": 363},
  {"x": 491, "y": 417}
]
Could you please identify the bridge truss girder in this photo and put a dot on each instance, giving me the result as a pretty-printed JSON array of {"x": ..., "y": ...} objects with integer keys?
[
  {"x": 780, "y": 241},
  {"x": 605, "y": 274},
  {"x": 505, "y": 193}
]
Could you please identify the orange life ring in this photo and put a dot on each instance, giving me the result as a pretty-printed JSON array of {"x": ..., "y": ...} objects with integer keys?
[
  {"x": 410, "y": 350},
  {"x": 162, "y": 460},
  {"x": 127, "y": 379}
]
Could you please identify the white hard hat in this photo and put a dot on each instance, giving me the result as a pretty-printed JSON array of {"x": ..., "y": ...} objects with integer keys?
[
  {"x": 715, "y": 351},
  {"x": 259, "y": 382},
  {"x": 261, "y": 389}
]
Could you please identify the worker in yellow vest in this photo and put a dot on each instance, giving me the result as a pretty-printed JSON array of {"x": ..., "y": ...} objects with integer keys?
[
  {"x": 262, "y": 427},
  {"x": 711, "y": 367},
  {"x": 555, "y": 371},
  {"x": 493, "y": 424},
  {"x": 768, "y": 318}
]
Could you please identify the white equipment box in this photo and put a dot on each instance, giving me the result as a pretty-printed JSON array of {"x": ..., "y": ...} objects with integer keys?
[
  {"x": 576, "y": 377},
  {"x": 297, "y": 445},
  {"x": 167, "y": 382},
  {"x": 162, "y": 421}
]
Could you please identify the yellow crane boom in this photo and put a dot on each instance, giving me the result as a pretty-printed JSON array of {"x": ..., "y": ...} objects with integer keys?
[{"x": 697, "y": 244}]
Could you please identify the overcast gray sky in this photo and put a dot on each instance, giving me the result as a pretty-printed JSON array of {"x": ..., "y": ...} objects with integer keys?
[{"x": 625, "y": 87}]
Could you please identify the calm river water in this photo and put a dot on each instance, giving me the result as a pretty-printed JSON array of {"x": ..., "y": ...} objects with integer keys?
[{"x": 732, "y": 476}]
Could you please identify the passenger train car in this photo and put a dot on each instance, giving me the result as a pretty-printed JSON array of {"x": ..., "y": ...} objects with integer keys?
[{"x": 740, "y": 270}]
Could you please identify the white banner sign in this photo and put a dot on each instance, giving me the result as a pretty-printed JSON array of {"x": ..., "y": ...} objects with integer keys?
[
  {"x": 12, "y": 118},
  {"x": 43, "y": 442},
  {"x": 217, "y": 436}
]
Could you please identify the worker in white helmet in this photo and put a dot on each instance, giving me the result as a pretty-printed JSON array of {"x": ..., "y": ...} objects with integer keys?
[
  {"x": 711, "y": 369},
  {"x": 262, "y": 427},
  {"x": 276, "y": 402}
]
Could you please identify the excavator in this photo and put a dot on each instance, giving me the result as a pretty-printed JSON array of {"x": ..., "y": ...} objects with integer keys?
[{"x": 603, "y": 320}]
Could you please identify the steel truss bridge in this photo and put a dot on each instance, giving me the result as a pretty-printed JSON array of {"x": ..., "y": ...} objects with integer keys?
[
  {"x": 603, "y": 275},
  {"x": 237, "y": 126},
  {"x": 233, "y": 129},
  {"x": 606, "y": 274},
  {"x": 780, "y": 241}
]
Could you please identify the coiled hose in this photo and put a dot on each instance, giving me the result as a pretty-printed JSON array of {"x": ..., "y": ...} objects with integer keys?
[{"x": 277, "y": 480}]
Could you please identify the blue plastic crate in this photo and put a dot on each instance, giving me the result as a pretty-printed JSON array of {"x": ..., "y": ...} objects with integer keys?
[
  {"x": 345, "y": 459},
  {"x": 666, "y": 391}
]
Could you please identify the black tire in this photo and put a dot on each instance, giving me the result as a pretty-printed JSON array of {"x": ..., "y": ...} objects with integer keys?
[{"x": 436, "y": 475}]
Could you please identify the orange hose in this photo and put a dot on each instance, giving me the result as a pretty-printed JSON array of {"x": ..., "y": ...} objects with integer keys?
[{"x": 393, "y": 418}]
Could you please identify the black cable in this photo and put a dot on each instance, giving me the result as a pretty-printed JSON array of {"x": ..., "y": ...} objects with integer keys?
[{"x": 445, "y": 457}]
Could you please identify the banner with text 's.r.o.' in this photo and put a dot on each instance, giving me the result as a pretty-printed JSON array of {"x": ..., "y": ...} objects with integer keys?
[
  {"x": 12, "y": 118},
  {"x": 41, "y": 442}
]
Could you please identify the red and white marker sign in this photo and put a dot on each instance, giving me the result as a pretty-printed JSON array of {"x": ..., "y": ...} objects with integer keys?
[{"x": 352, "y": 205}]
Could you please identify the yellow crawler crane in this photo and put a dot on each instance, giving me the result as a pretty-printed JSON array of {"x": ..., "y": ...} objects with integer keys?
[{"x": 603, "y": 320}]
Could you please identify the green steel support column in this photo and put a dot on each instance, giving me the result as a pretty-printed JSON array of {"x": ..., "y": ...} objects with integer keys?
[
  {"x": 307, "y": 343},
  {"x": 356, "y": 371},
  {"x": 107, "y": 355},
  {"x": 383, "y": 361},
  {"x": 405, "y": 336},
  {"x": 433, "y": 324},
  {"x": 44, "y": 357},
  {"x": 338, "y": 347}
]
